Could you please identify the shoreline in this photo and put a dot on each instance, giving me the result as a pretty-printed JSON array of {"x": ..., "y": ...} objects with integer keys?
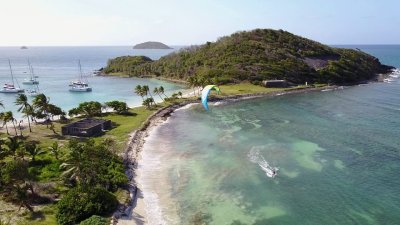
[
  {"x": 121, "y": 75},
  {"x": 137, "y": 139}
]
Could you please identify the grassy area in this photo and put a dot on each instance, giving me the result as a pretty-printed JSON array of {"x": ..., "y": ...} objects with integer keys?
[
  {"x": 125, "y": 124},
  {"x": 44, "y": 215},
  {"x": 246, "y": 88}
]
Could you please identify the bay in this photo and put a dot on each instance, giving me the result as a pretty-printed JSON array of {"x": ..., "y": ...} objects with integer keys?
[
  {"x": 56, "y": 67},
  {"x": 338, "y": 155}
]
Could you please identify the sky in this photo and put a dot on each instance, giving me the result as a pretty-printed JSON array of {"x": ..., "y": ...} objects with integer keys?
[{"x": 187, "y": 22}]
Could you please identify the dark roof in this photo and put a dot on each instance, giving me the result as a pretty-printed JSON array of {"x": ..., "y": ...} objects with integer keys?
[{"x": 86, "y": 123}]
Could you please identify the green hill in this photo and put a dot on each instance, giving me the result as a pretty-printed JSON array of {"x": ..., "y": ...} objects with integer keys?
[
  {"x": 151, "y": 45},
  {"x": 258, "y": 55}
]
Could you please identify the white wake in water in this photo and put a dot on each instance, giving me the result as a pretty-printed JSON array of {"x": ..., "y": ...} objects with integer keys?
[{"x": 255, "y": 157}]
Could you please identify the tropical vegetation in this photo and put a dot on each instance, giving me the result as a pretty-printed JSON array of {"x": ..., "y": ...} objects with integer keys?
[{"x": 258, "y": 55}]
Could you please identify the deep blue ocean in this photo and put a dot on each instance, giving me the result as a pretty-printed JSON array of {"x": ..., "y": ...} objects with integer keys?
[{"x": 338, "y": 154}]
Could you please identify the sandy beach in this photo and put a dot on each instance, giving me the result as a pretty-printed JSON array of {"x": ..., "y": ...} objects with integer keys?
[{"x": 134, "y": 212}]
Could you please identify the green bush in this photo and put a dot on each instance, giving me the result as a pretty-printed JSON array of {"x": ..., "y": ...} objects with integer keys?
[
  {"x": 81, "y": 203},
  {"x": 95, "y": 220}
]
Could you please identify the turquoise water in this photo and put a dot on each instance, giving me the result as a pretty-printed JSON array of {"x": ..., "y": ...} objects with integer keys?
[
  {"x": 337, "y": 153},
  {"x": 58, "y": 66}
]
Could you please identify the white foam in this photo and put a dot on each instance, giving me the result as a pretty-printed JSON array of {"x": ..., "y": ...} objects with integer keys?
[
  {"x": 255, "y": 157},
  {"x": 188, "y": 106}
]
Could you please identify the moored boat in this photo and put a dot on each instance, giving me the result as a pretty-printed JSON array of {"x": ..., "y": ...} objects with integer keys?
[
  {"x": 79, "y": 85},
  {"x": 32, "y": 78},
  {"x": 10, "y": 87}
]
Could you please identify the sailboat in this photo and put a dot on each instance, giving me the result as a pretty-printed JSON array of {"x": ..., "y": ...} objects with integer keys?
[
  {"x": 34, "y": 92},
  {"x": 10, "y": 87},
  {"x": 32, "y": 78},
  {"x": 79, "y": 85}
]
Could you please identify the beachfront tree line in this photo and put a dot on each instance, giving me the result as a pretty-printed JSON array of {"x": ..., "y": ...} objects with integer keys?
[
  {"x": 39, "y": 109},
  {"x": 148, "y": 100}
]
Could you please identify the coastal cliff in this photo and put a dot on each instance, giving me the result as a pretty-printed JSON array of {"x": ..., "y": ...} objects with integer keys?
[{"x": 262, "y": 54}]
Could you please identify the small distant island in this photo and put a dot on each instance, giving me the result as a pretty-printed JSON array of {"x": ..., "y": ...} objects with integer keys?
[
  {"x": 151, "y": 45},
  {"x": 24, "y": 47}
]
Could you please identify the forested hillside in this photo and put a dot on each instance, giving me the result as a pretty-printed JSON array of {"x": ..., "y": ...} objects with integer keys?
[{"x": 255, "y": 56}]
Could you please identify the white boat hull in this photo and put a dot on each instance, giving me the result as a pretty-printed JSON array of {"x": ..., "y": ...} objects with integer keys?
[
  {"x": 11, "y": 90},
  {"x": 80, "y": 89},
  {"x": 30, "y": 82}
]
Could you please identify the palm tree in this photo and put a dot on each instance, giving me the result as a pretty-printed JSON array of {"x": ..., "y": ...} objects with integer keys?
[
  {"x": 33, "y": 149},
  {"x": 55, "y": 149},
  {"x": 25, "y": 107},
  {"x": 3, "y": 151},
  {"x": 41, "y": 105},
  {"x": 161, "y": 91},
  {"x": 72, "y": 167},
  {"x": 1, "y": 104},
  {"x": 157, "y": 92},
  {"x": 8, "y": 116},
  {"x": 147, "y": 103},
  {"x": 180, "y": 94},
  {"x": 139, "y": 91},
  {"x": 13, "y": 145},
  {"x": 2, "y": 118},
  {"x": 147, "y": 91}
]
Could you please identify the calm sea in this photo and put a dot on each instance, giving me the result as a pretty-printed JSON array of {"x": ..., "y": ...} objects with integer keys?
[
  {"x": 338, "y": 154},
  {"x": 58, "y": 66}
]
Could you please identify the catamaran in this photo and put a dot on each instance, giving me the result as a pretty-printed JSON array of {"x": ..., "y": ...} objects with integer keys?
[
  {"x": 79, "y": 85},
  {"x": 10, "y": 87},
  {"x": 34, "y": 92},
  {"x": 32, "y": 78}
]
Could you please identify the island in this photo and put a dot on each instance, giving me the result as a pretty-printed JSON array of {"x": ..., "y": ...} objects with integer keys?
[
  {"x": 46, "y": 170},
  {"x": 258, "y": 55},
  {"x": 151, "y": 45}
]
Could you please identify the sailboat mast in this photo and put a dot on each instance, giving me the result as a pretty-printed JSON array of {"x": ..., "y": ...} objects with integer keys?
[
  {"x": 12, "y": 76},
  {"x": 80, "y": 70},
  {"x": 30, "y": 69}
]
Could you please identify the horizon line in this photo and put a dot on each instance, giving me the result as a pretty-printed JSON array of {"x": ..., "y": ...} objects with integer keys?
[{"x": 176, "y": 45}]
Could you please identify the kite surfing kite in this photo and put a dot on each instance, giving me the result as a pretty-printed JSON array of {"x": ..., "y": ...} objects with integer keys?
[{"x": 206, "y": 91}]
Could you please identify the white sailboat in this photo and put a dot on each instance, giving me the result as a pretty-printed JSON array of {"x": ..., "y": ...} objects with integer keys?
[
  {"x": 32, "y": 78},
  {"x": 10, "y": 87},
  {"x": 79, "y": 85},
  {"x": 34, "y": 92}
]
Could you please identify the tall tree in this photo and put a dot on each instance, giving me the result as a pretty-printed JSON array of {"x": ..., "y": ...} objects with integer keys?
[
  {"x": 139, "y": 91},
  {"x": 55, "y": 149},
  {"x": 9, "y": 117},
  {"x": 87, "y": 109},
  {"x": 161, "y": 90},
  {"x": 41, "y": 105},
  {"x": 33, "y": 149},
  {"x": 25, "y": 107},
  {"x": 13, "y": 144},
  {"x": 147, "y": 91},
  {"x": 16, "y": 183},
  {"x": 5, "y": 121},
  {"x": 157, "y": 92},
  {"x": 147, "y": 103}
]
